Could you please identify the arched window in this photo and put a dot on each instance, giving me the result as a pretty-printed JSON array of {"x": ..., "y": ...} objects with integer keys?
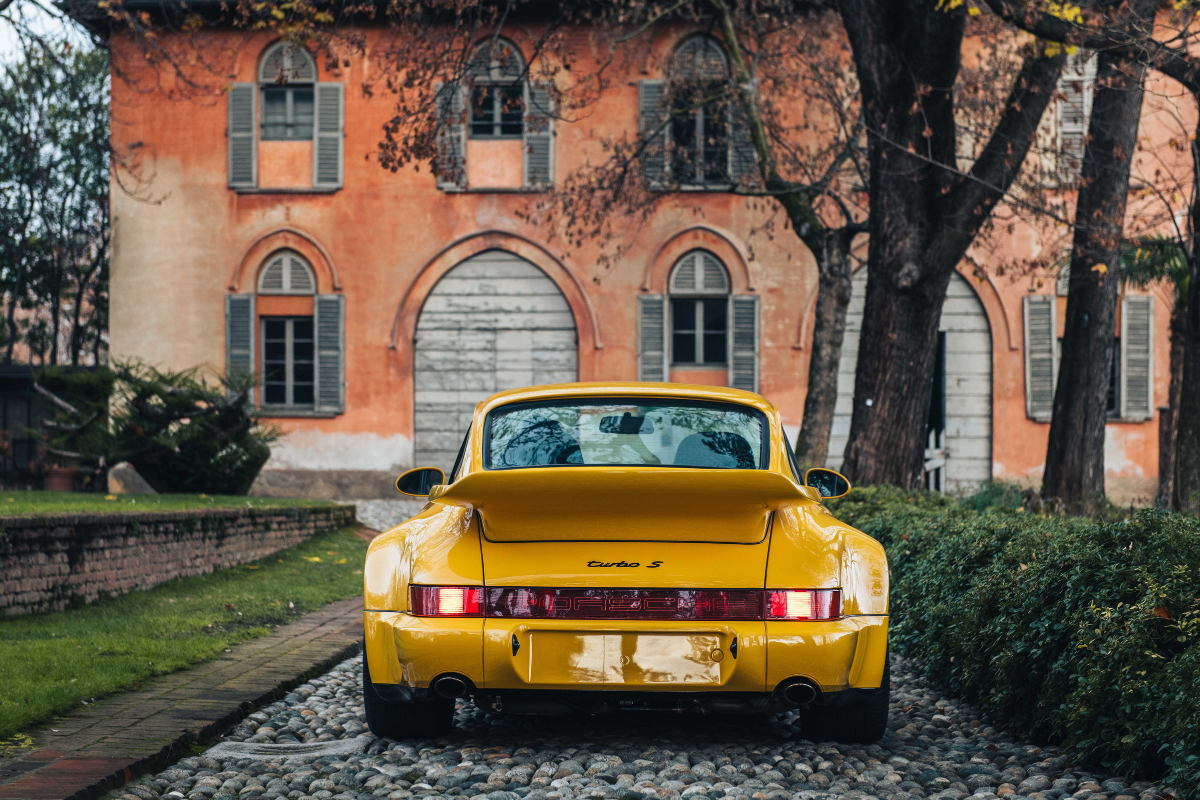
[
  {"x": 699, "y": 129},
  {"x": 288, "y": 344},
  {"x": 286, "y": 76},
  {"x": 286, "y": 272},
  {"x": 699, "y": 287},
  {"x": 497, "y": 73}
]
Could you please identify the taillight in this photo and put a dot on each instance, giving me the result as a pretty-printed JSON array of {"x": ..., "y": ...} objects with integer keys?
[
  {"x": 445, "y": 601},
  {"x": 804, "y": 603},
  {"x": 662, "y": 604}
]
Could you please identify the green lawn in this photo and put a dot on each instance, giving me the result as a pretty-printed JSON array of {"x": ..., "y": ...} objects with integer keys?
[
  {"x": 13, "y": 504},
  {"x": 51, "y": 663}
]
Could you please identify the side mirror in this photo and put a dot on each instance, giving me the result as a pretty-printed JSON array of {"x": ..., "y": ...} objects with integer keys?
[
  {"x": 417, "y": 482},
  {"x": 829, "y": 483}
]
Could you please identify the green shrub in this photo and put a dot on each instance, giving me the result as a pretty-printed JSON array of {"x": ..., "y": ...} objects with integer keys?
[
  {"x": 182, "y": 433},
  {"x": 1064, "y": 629}
]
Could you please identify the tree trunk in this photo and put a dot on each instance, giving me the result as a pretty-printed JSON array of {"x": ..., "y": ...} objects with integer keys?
[
  {"x": 924, "y": 215},
  {"x": 1168, "y": 417},
  {"x": 1187, "y": 441},
  {"x": 1075, "y": 453},
  {"x": 829, "y": 330},
  {"x": 1187, "y": 426}
]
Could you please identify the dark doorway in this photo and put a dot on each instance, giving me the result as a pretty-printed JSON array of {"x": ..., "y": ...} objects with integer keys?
[{"x": 935, "y": 425}]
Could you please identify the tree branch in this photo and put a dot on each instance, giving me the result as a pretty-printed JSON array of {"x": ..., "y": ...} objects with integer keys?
[
  {"x": 1136, "y": 44},
  {"x": 55, "y": 399},
  {"x": 972, "y": 199}
]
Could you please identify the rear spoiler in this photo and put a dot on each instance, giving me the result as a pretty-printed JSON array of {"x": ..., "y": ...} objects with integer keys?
[{"x": 625, "y": 503}]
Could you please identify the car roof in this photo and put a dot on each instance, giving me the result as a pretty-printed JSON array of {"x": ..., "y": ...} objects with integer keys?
[{"x": 687, "y": 391}]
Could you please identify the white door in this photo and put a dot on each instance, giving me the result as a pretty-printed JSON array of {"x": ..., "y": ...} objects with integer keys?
[
  {"x": 967, "y": 441},
  {"x": 494, "y": 322}
]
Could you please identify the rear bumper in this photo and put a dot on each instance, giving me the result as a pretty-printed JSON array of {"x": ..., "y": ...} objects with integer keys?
[{"x": 559, "y": 665}]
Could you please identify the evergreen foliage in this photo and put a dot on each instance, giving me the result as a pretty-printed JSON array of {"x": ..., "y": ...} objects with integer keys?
[
  {"x": 182, "y": 433},
  {"x": 1063, "y": 628}
]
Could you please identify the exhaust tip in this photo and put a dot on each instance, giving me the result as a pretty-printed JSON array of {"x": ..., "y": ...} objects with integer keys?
[
  {"x": 450, "y": 687},
  {"x": 799, "y": 693}
]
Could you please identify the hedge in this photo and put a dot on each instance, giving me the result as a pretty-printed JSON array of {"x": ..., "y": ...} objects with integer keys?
[{"x": 1063, "y": 629}]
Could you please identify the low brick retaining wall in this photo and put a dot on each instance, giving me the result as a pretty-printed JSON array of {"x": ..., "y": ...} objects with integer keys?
[{"x": 51, "y": 561}]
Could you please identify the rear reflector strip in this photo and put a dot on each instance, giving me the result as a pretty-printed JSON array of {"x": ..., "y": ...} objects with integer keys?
[{"x": 660, "y": 604}]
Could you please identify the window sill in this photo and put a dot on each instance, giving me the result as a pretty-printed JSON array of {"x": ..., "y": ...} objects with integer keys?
[
  {"x": 499, "y": 190},
  {"x": 292, "y": 412},
  {"x": 698, "y": 367},
  {"x": 691, "y": 187},
  {"x": 258, "y": 190}
]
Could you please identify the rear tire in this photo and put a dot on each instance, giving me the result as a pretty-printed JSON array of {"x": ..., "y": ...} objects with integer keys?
[
  {"x": 862, "y": 724},
  {"x": 419, "y": 718}
]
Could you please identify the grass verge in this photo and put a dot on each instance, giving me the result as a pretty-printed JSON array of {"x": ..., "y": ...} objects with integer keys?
[
  {"x": 15, "y": 504},
  {"x": 52, "y": 663}
]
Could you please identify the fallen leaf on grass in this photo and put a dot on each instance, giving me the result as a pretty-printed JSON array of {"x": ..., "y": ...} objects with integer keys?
[
  {"x": 313, "y": 559},
  {"x": 341, "y": 561},
  {"x": 106, "y": 497},
  {"x": 253, "y": 566},
  {"x": 229, "y": 606}
]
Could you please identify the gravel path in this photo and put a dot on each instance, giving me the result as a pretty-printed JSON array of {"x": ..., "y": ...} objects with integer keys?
[
  {"x": 379, "y": 515},
  {"x": 313, "y": 744}
]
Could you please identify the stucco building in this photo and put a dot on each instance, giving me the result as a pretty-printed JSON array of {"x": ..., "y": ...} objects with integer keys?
[{"x": 381, "y": 306}]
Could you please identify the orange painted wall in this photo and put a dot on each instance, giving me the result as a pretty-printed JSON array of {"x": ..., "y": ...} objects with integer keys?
[{"x": 187, "y": 240}]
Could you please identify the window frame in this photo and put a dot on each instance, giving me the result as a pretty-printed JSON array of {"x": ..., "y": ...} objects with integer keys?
[
  {"x": 290, "y": 362},
  {"x": 699, "y": 332},
  {"x": 764, "y": 424},
  {"x": 698, "y": 161},
  {"x": 289, "y": 91},
  {"x": 497, "y": 111}
]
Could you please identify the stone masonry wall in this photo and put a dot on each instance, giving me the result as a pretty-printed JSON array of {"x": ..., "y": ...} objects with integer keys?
[{"x": 50, "y": 561}]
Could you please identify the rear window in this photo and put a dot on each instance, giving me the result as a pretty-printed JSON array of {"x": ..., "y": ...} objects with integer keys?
[{"x": 625, "y": 432}]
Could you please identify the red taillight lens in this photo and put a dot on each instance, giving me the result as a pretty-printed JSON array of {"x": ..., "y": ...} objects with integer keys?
[
  {"x": 445, "y": 601},
  {"x": 804, "y": 604}
]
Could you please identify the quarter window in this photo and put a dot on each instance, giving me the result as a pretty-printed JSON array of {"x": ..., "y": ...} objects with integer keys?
[{"x": 288, "y": 371}]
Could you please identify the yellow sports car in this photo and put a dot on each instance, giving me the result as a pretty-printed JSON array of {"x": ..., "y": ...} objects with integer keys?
[{"x": 626, "y": 546}]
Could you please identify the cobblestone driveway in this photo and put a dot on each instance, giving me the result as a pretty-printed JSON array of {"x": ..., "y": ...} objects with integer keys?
[{"x": 313, "y": 744}]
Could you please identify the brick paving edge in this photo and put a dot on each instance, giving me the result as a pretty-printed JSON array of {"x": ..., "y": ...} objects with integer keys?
[{"x": 179, "y": 748}]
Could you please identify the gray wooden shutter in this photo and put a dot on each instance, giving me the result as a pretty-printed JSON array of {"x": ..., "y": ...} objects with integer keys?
[
  {"x": 1041, "y": 356},
  {"x": 243, "y": 166},
  {"x": 743, "y": 342},
  {"x": 451, "y": 137},
  {"x": 239, "y": 336},
  {"x": 743, "y": 162},
  {"x": 1137, "y": 357},
  {"x": 1074, "y": 107},
  {"x": 651, "y": 114},
  {"x": 327, "y": 135},
  {"x": 329, "y": 324},
  {"x": 539, "y": 136},
  {"x": 652, "y": 337}
]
